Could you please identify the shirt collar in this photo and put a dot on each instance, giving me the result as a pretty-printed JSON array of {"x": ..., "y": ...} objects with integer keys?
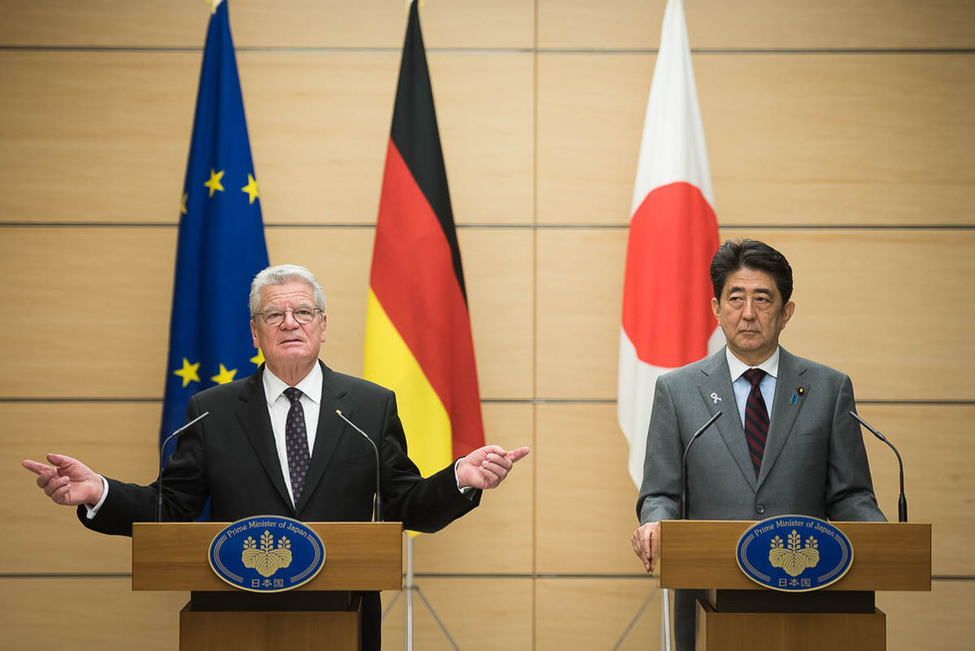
[
  {"x": 737, "y": 367},
  {"x": 310, "y": 385}
]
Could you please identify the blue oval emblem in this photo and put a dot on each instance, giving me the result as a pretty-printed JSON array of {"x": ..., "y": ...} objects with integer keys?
[
  {"x": 794, "y": 553},
  {"x": 267, "y": 553}
]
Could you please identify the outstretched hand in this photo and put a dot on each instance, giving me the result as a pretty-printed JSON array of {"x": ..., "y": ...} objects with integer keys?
[
  {"x": 66, "y": 481},
  {"x": 488, "y": 466}
]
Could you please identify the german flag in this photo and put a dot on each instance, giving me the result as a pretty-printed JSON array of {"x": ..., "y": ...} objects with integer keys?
[{"x": 418, "y": 335}]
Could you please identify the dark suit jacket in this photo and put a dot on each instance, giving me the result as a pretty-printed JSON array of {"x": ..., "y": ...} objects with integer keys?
[{"x": 230, "y": 458}]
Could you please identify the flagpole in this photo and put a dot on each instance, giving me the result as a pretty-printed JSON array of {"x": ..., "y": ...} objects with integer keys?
[
  {"x": 408, "y": 587},
  {"x": 665, "y": 620}
]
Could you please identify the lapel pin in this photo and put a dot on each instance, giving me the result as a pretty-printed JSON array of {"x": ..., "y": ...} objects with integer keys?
[
  {"x": 716, "y": 398},
  {"x": 795, "y": 396}
]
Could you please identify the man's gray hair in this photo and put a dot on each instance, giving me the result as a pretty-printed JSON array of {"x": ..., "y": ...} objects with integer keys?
[{"x": 279, "y": 275}]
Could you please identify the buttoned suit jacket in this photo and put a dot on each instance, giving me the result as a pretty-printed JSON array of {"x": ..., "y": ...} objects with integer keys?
[
  {"x": 230, "y": 458},
  {"x": 814, "y": 463}
]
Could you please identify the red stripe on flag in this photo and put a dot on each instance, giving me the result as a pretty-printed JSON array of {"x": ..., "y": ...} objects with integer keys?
[
  {"x": 413, "y": 278},
  {"x": 667, "y": 290}
]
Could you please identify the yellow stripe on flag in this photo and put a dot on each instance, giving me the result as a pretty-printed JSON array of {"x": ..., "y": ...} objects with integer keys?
[{"x": 389, "y": 363}]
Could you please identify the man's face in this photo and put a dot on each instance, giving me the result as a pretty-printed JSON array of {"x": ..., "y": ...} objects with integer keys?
[
  {"x": 289, "y": 343},
  {"x": 751, "y": 314}
]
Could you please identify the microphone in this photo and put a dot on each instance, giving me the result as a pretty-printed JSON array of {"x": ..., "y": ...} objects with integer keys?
[
  {"x": 683, "y": 473},
  {"x": 162, "y": 451},
  {"x": 902, "y": 500},
  {"x": 378, "y": 513}
]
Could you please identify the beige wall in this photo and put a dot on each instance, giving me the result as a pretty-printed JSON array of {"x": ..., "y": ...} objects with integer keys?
[{"x": 842, "y": 133}]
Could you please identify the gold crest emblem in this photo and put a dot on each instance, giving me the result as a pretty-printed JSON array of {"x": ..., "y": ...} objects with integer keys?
[
  {"x": 794, "y": 559},
  {"x": 267, "y": 559}
]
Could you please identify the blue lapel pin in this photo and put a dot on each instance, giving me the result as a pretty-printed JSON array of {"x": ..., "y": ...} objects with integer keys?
[{"x": 795, "y": 396}]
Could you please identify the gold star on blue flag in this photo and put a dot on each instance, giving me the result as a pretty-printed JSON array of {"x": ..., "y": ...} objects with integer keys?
[{"x": 221, "y": 239}]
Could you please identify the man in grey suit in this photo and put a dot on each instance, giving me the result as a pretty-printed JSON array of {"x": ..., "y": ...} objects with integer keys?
[
  {"x": 812, "y": 460},
  {"x": 274, "y": 444}
]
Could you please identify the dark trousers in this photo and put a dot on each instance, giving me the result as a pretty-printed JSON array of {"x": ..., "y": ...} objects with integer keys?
[
  {"x": 685, "y": 617},
  {"x": 370, "y": 624}
]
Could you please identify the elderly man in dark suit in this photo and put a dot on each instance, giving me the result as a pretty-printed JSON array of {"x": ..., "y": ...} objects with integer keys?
[
  {"x": 785, "y": 443},
  {"x": 245, "y": 459}
]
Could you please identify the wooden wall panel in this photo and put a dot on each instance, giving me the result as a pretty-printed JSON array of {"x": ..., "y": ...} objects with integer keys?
[
  {"x": 840, "y": 133},
  {"x": 117, "y": 124},
  {"x": 580, "y": 290},
  {"x": 594, "y": 613},
  {"x": 319, "y": 125},
  {"x": 761, "y": 24},
  {"x": 939, "y": 620},
  {"x": 938, "y": 481},
  {"x": 320, "y": 159},
  {"x": 824, "y": 139},
  {"x": 94, "y": 136},
  {"x": 117, "y": 439},
  {"x": 478, "y": 613},
  {"x": 258, "y": 23},
  {"x": 86, "y": 312},
  {"x": 499, "y": 269},
  {"x": 590, "y": 117},
  {"x": 585, "y": 499},
  {"x": 495, "y": 538},
  {"x": 87, "y": 613},
  {"x": 853, "y": 289},
  {"x": 561, "y": 24},
  {"x": 105, "y": 23},
  {"x": 833, "y": 139}
]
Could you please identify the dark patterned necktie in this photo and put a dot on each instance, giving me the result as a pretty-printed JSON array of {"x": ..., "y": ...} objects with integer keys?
[
  {"x": 756, "y": 418},
  {"x": 296, "y": 439}
]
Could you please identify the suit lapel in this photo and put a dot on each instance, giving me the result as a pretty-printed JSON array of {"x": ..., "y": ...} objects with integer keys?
[
  {"x": 255, "y": 421},
  {"x": 329, "y": 433},
  {"x": 717, "y": 384},
  {"x": 784, "y": 413}
]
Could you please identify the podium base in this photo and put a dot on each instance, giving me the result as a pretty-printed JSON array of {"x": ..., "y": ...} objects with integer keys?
[
  {"x": 774, "y": 631},
  {"x": 258, "y": 630}
]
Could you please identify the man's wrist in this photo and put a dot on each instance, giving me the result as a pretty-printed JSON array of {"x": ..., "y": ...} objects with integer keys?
[{"x": 93, "y": 510}]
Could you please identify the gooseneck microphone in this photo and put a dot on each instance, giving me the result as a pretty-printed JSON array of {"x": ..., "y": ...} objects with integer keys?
[
  {"x": 162, "y": 451},
  {"x": 683, "y": 468},
  {"x": 902, "y": 500},
  {"x": 378, "y": 514}
]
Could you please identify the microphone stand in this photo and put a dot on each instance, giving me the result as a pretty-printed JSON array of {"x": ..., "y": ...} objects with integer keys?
[
  {"x": 683, "y": 472},
  {"x": 162, "y": 451},
  {"x": 902, "y": 500},
  {"x": 378, "y": 512}
]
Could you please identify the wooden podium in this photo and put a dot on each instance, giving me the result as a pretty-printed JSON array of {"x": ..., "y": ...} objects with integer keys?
[
  {"x": 740, "y": 614},
  {"x": 322, "y": 614}
]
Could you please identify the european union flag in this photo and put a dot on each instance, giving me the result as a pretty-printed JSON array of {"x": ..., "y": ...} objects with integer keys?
[{"x": 221, "y": 239}]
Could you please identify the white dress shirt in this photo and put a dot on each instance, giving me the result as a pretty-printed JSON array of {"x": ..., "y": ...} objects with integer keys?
[
  {"x": 278, "y": 406},
  {"x": 743, "y": 387}
]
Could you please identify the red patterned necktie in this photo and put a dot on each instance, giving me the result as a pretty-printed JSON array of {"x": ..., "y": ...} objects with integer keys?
[
  {"x": 756, "y": 418},
  {"x": 296, "y": 440}
]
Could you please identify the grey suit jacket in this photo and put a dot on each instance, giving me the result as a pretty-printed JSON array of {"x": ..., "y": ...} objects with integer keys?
[{"x": 814, "y": 464}]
